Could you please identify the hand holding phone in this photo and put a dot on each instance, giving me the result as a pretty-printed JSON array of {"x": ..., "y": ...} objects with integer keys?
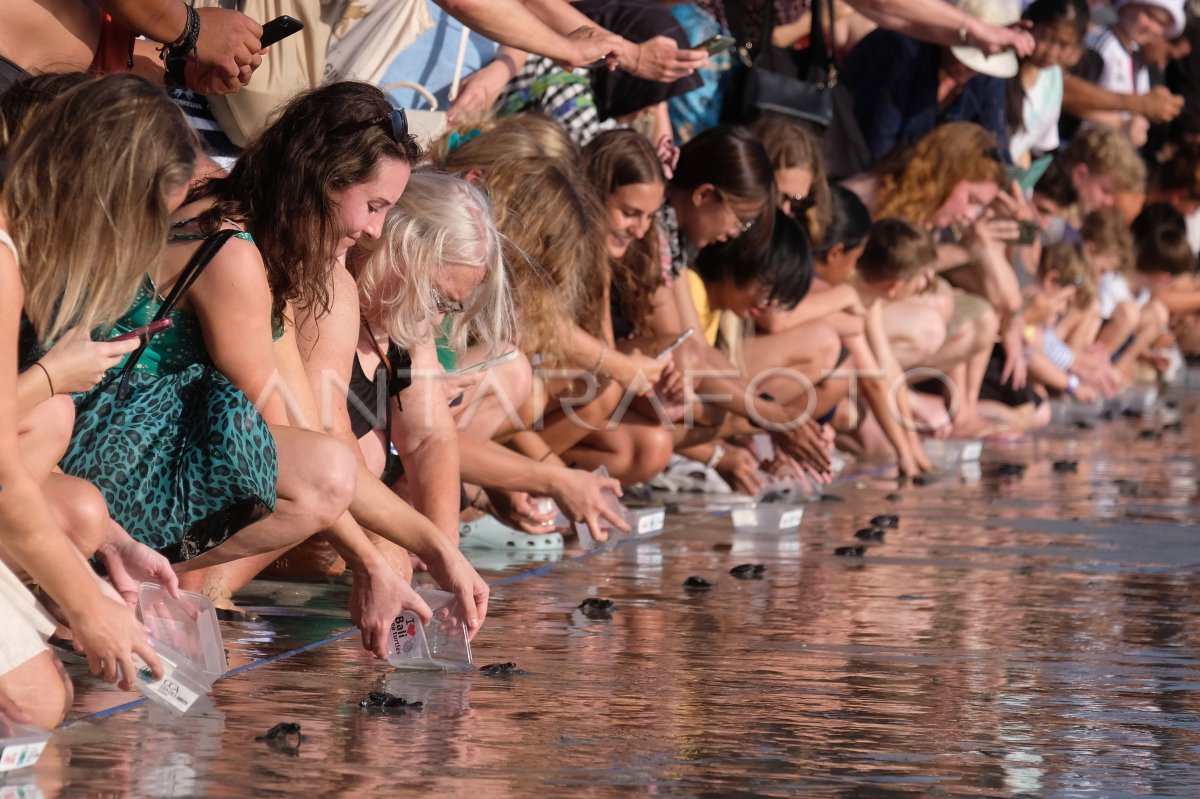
[
  {"x": 716, "y": 44},
  {"x": 684, "y": 336},
  {"x": 279, "y": 28},
  {"x": 145, "y": 332}
]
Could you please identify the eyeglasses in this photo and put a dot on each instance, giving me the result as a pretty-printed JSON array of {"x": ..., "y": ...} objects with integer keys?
[
  {"x": 394, "y": 123},
  {"x": 797, "y": 203},
  {"x": 743, "y": 224},
  {"x": 445, "y": 306}
]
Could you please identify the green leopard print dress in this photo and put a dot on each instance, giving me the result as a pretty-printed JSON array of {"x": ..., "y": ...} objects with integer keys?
[{"x": 181, "y": 455}]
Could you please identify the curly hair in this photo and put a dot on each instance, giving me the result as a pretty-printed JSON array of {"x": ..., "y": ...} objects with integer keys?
[
  {"x": 87, "y": 205},
  {"x": 611, "y": 160},
  {"x": 551, "y": 220},
  {"x": 914, "y": 181},
  {"x": 323, "y": 140}
]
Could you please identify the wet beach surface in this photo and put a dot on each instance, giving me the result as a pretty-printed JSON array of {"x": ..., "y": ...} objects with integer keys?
[{"x": 1021, "y": 633}]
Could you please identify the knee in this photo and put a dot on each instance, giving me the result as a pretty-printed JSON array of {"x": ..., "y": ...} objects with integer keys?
[
  {"x": 333, "y": 484},
  {"x": 653, "y": 447},
  {"x": 84, "y": 516},
  {"x": 51, "y": 421},
  {"x": 987, "y": 327},
  {"x": 1125, "y": 315},
  {"x": 1155, "y": 315},
  {"x": 45, "y": 691}
]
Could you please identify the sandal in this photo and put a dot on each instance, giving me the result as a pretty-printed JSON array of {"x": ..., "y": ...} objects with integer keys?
[{"x": 488, "y": 532}]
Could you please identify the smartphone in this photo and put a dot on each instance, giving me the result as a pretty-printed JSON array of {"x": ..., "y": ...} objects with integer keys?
[
  {"x": 1027, "y": 233},
  {"x": 279, "y": 28},
  {"x": 716, "y": 44},
  {"x": 684, "y": 336},
  {"x": 146, "y": 331},
  {"x": 488, "y": 364}
]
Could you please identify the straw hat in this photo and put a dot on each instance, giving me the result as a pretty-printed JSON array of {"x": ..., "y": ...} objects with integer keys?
[{"x": 1000, "y": 13}]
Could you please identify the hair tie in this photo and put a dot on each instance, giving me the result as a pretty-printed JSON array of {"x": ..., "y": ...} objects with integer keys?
[{"x": 459, "y": 139}]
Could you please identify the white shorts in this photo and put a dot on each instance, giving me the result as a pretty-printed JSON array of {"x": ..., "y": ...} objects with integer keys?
[{"x": 24, "y": 624}]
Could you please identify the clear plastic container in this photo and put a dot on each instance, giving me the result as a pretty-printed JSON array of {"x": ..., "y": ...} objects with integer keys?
[
  {"x": 581, "y": 529},
  {"x": 643, "y": 523},
  {"x": 20, "y": 745},
  {"x": 187, "y": 626},
  {"x": 767, "y": 518},
  {"x": 181, "y": 684},
  {"x": 443, "y": 644},
  {"x": 951, "y": 452}
]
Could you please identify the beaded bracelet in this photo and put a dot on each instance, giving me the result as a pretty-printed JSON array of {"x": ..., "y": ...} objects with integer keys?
[{"x": 186, "y": 43}]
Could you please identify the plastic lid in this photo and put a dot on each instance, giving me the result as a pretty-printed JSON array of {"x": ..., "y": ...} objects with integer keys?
[
  {"x": 180, "y": 686},
  {"x": 767, "y": 518},
  {"x": 186, "y": 626}
]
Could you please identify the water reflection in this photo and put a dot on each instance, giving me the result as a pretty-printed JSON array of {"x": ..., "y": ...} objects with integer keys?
[{"x": 1028, "y": 635}]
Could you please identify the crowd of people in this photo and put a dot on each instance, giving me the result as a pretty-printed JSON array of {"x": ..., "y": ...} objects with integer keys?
[{"x": 254, "y": 319}]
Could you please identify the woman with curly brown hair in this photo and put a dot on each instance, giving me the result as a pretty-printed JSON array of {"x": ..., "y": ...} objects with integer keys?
[
  {"x": 310, "y": 186},
  {"x": 951, "y": 181}
]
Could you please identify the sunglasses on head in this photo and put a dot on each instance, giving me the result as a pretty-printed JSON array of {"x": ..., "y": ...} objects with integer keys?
[{"x": 394, "y": 123}]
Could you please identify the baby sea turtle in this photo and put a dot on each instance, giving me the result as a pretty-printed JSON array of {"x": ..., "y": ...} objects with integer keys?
[
  {"x": 1173, "y": 427},
  {"x": 886, "y": 521},
  {"x": 748, "y": 571},
  {"x": 925, "y": 479},
  {"x": 894, "y": 497},
  {"x": 1066, "y": 466},
  {"x": 1083, "y": 424},
  {"x": 694, "y": 583},
  {"x": 284, "y": 737},
  {"x": 1011, "y": 469},
  {"x": 1149, "y": 435},
  {"x": 501, "y": 669},
  {"x": 386, "y": 701},
  {"x": 869, "y": 534},
  {"x": 596, "y": 608},
  {"x": 831, "y": 498},
  {"x": 856, "y": 551}
]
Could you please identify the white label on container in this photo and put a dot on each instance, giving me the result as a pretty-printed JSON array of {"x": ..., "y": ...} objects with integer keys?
[
  {"x": 972, "y": 451},
  {"x": 21, "y": 755},
  {"x": 176, "y": 695},
  {"x": 403, "y": 637},
  {"x": 745, "y": 517},
  {"x": 791, "y": 519},
  {"x": 651, "y": 522}
]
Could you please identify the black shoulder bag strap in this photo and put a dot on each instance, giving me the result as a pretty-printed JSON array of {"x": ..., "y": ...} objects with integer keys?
[{"x": 191, "y": 271}]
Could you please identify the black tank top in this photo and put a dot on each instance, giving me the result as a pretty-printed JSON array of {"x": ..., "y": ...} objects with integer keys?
[{"x": 364, "y": 401}]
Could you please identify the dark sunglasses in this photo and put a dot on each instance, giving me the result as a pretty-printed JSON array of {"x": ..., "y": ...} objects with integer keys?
[{"x": 395, "y": 124}]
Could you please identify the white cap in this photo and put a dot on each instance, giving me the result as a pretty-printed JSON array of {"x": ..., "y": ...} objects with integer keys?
[
  {"x": 1000, "y": 13},
  {"x": 1175, "y": 7}
]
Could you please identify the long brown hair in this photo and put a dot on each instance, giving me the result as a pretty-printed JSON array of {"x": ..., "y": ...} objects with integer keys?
[
  {"x": 323, "y": 140},
  {"x": 85, "y": 197},
  {"x": 611, "y": 160},
  {"x": 790, "y": 145},
  {"x": 914, "y": 181}
]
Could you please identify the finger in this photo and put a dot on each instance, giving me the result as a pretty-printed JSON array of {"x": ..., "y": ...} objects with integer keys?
[
  {"x": 481, "y": 608},
  {"x": 128, "y": 675},
  {"x": 614, "y": 518},
  {"x": 597, "y": 532},
  {"x": 613, "y": 485},
  {"x": 150, "y": 658},
  {"x": 420, "y": 608}
]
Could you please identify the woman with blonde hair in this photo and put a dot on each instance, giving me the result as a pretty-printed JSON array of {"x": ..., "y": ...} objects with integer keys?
[{"x": 66, "y": 265}]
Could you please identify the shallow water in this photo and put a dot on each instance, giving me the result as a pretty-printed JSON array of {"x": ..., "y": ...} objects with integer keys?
[{"x": 1031, "y": 636}]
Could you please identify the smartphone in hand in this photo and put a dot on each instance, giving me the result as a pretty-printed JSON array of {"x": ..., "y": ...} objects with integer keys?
[
  {"x": 279, "y": 28},
  {"x": 684, "y": 336},
  {"x": 146, "y": 332},
  {"x": 715, "y": 44}
]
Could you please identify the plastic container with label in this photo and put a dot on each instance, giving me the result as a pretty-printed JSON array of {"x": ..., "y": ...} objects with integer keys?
[
  {"x": 20, "y": 745},
  {"x": 643, "y": 523},
  {"x": 581, "y": 529},
  {"x": 187, "y": 627},
  {"x": 443, "y": 644},
  {"x": 950, "y": 452},
  {"x": 767, "y": 518},
  {"x": 180, "y": 686}
]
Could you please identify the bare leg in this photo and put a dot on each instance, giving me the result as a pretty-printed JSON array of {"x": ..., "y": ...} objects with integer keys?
[
  {"x": 41, "y": 687},
  {"x": 317, "y": 478}
]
